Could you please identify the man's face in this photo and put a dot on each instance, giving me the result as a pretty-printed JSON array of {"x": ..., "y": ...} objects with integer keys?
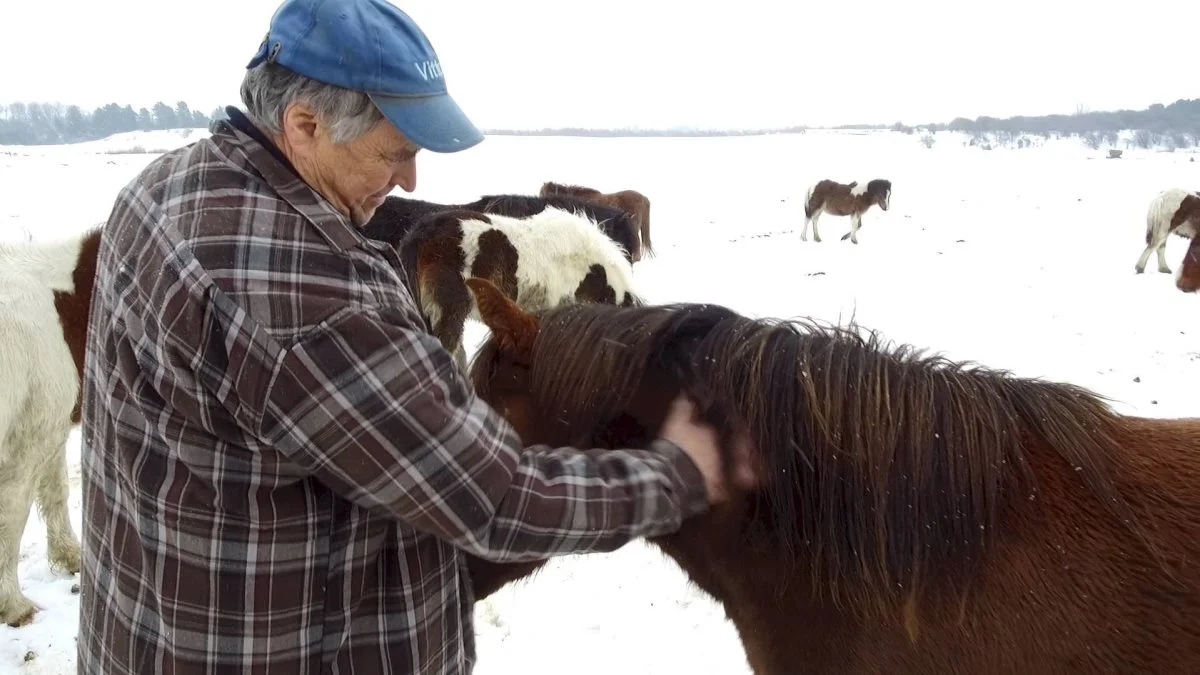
[{"x": 354, "y": 176}]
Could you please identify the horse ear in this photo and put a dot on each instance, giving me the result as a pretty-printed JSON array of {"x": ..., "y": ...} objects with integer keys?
[{"x": 514, "y": 328}]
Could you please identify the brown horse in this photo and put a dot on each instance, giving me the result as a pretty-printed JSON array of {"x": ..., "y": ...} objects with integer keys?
[
  {"x": 840, "y": 199},
  {"x": 632, "y": 202},
  {"x": 916, "y": 516},
  {"x": 1172, "y": 211}
]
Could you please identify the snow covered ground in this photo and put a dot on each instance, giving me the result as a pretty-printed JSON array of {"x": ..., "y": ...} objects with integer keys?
[{"x": 1015, "y": 258}]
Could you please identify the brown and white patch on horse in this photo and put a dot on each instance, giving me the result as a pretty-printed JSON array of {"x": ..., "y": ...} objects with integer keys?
[
  {"x": 632, "y": 202},
  {"x": 842, "y": 199},
  {"x": 1172, "y": 211},
  {"x": 1188, "y": 277},
  {"x": 540, "y": 261},
  {"x": 73, "y": 306}
]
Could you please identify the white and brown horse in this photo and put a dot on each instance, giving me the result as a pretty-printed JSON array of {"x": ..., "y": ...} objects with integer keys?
[
  {"x": 398, "y": 215},
  {"x": 840, "y": 199},
  {"x": 632, "y": 202},
  {"x": 540, "y": 262},
  {"x": 45, "y": 292},
  {"x": 1172, "y": 211}
]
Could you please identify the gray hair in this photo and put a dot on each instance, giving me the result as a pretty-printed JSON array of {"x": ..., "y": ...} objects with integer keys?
[{"x": 268, "y": 89}]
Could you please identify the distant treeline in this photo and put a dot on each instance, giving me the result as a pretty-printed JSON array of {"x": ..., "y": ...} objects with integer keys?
[
  {"x": 641, "y": 133},
  {"x": 1180, "y": 117},
  {"x": 54, "y": 123}
]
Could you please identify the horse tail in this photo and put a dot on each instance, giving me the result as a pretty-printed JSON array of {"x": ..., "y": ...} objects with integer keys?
[
  {"x": 1151, "y": 220},
  {"x": 808, "y": 207}
]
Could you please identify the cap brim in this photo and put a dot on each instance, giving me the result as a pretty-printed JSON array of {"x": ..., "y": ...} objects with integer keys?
[{"x": 435, "y": 123}]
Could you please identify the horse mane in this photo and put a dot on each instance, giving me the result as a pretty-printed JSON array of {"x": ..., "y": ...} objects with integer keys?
[
  {"x": 879, "y": 186},
  {"x": 882, "y": 463},
  {"x": 552, "y": 188}
]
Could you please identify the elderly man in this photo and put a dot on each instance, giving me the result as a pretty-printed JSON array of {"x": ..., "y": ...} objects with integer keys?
[{"x": 282, "y": 469}]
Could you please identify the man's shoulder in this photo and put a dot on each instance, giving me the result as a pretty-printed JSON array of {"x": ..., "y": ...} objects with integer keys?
[
  {"x": 214, "y": 224},
  {"x": 199, "y": 176}
]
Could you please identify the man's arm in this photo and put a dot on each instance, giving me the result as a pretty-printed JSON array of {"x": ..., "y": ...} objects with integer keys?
[{"x": 377, "y": 410}]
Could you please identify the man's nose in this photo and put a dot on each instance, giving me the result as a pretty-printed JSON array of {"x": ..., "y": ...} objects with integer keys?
[{"x": 406, "y": 176}]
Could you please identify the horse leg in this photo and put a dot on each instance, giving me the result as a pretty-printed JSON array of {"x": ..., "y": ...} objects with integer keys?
[
  {"x": 814, "y": 218},
  {"x": 855, "y": 223},
  {"x": 15, "y": 609},
  {"x": 448, "y": 306},
  {"x": 1140, "y": 267},
  {"x": 62, "y": 546},
  {"x": 1162, "y": 258}
]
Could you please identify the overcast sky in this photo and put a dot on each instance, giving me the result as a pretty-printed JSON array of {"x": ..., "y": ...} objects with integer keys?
[{"x": 536, "y": 63}]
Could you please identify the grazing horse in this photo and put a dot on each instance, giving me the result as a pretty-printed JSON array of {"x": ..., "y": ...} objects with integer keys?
[
  {"x": 1188, "y": 277},
  {"x": 840, "y": 199},
  {"x": 915, "y": 516},
  {"x": 631, "y": 202},
  {"x": 45, "y": 290},
  {"x": 397, "y": 215},
  {"x": 539, "y": 261},
  {"x": 1172, "y": 211}
]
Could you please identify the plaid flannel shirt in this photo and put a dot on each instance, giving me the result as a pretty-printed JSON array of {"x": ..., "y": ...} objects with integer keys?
[{"x": 281, "y": 467}]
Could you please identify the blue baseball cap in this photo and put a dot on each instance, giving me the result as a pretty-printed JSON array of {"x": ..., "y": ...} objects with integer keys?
[{"x": 373, "y": 47}]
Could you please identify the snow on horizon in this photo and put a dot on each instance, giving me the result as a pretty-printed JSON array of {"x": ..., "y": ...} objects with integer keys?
[{"x": 1012, "y": 258}]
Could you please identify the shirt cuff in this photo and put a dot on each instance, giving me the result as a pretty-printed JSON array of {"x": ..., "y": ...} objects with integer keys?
[{"x": 693, "y": 494}]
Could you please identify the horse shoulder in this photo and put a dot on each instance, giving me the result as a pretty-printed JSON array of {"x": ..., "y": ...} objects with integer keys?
[
  {"x": 1163, "y": 209},
  {"x": 41, "y": 381},
  {"x": 1186, "y": 220}
]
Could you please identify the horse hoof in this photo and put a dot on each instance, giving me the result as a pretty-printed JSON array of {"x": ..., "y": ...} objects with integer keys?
[
  {"x": 67, "y": 561},
  {"x": 22, "y": 615}
]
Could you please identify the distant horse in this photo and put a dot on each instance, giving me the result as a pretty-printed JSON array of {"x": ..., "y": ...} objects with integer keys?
[
  {"x": 840, "y": 199},
  {"x": 45, "y": 290},
  {"x": 1172, "y": 211},
  {"x": 539, "y": 261},
  {"x": 632, "y": 202},
  {"x": 397, "y": 215},
  {"x": 1188, "y": 277},
  {"x": 915, "y": 517}
]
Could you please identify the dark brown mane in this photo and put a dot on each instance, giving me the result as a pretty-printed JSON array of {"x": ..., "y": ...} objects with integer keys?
[
  {"x": 884, "y": 464},
  {"x": 878, "y": 187},
  {"x": 1188, "y": 279},
  {"x": 552, "y": 188}
]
